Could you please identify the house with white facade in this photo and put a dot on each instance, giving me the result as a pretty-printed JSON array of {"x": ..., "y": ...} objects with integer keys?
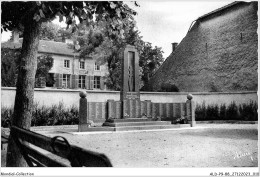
[{"x": 69, "y": 70}]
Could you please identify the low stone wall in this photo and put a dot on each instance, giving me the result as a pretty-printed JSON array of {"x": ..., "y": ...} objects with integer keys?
[
  {"x": 49, "y": 96},
  {"x": 71, "y": 97},
  {"x": 200, "y": 97},
  {"x": 42, "y": 96}
]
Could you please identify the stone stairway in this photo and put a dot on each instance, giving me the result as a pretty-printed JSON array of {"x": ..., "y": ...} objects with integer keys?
[
  {"x": 139, "y": 124},
  {"x": 115, "y": 125}
]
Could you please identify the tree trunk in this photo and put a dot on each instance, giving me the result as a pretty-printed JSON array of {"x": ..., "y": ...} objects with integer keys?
[{"x": 24, "y": 88}]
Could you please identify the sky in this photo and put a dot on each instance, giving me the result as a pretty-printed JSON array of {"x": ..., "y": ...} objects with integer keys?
[{"x": 164, "y": 22}]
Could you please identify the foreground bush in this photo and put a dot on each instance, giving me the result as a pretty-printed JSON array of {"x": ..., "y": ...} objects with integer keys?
[
  {"x": 245, "y": 111},
  {"x": 46, "y": 116}
]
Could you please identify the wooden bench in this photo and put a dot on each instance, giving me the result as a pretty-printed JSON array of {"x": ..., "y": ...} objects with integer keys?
[{"x": 42, "y": 151}]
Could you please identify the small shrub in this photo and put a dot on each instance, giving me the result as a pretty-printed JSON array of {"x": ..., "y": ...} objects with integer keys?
[
  {"x": 222, "y": 112},
  {"x": 245, "y": 111},
  {"x": 39, "y": 115},
  {"x": 212, "y": 112},
  {"x": 248, "y": 111},
  {"x": 213, "y": 87},
  {"x": 167, "y": 87},
  {"x": 46, "y": 116},
  {"x": 232, "y": 112},
  {"x": 74, "y": 115},
  {"x": 200, "y": 112}
]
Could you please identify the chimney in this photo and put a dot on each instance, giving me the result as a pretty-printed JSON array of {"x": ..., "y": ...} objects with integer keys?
[
  {"x": 174, "y": 45},
  {"x": 15, "y": 36}
]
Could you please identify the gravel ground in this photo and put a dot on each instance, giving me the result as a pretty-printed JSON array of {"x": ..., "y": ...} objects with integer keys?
[{"x": 208, "y": 145}]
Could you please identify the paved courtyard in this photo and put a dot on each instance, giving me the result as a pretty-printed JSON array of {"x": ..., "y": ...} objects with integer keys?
[{"x": 207, "y": 145}]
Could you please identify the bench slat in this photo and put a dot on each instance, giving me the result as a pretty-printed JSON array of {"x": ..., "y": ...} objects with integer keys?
[
  {"x": 45, "y": 160},
  {"x": 34, "y": 161},
  {"x": 84, "y": 157},
  {"x": 91, "y": 159},
  {"x": 41, "y": 141}
]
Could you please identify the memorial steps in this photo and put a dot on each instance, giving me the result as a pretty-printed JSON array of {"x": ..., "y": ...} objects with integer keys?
[
  {"x": 150, "y": 127},
  {"x": 127, "y": 124},
  {"x": 135, "y": 124}
]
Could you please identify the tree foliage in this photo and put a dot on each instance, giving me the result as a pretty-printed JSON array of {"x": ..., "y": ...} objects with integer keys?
[
  {"x": 150, "y": 60},
  {"x": 9, "y": 66},
  {"x": 14, "y": 13},
  {"x": 44, "y": 64},
  {"x": 49, "y": 31},
  {"x": 107, "y": 49}
]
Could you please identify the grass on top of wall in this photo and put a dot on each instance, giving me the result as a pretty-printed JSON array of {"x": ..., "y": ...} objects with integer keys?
[
  {"x": 243, "y": 112},
  {"x": 46, "y": 116}
]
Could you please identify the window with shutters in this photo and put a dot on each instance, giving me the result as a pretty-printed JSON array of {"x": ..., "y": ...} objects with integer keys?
[
  {"x": 97, "y": 82},
  {"x": 65, "y": 81},
  {"x": 81, "y": 65},
  {"x": 67, "y": 63},
  {"x": 82, "y": 82},
  {"x": 97, "y": 67}
]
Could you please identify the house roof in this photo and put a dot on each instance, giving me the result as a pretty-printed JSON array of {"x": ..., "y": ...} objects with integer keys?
[
  {"x": 56, "y": 48},
  {"x": 219, "y": 9},
  {"x": 215, "y": 12},
  {"x": 214, "y": 51},
  {"x": 50, "y": 47}
]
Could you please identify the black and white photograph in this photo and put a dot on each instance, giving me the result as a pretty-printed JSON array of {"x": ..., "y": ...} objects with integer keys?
[{"x": 148, "y": 87}]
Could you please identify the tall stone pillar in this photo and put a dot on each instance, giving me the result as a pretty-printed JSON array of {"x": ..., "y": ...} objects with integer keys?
[
  {"x": 130, "y": 93},
  {"x": 83, "y": 112},
  {"x": 190, "y": 108}
]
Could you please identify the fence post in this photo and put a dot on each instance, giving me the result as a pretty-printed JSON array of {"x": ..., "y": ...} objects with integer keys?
[
  {"x": 190, "y": 108},
  {"x": 83, "y": 112}
]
